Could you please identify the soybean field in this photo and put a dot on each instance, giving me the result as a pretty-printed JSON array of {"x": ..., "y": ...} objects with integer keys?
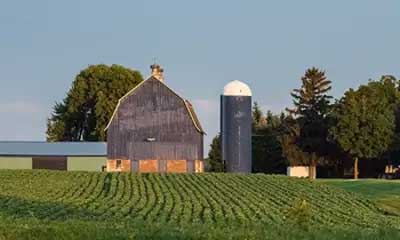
[{"x": 54, "y": 197}]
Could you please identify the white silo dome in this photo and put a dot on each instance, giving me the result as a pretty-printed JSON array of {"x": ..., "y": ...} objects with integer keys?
[{"x": 237, "y": 88}]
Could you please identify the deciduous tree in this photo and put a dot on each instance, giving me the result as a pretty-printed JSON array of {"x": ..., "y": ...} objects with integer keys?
[
  {"x": 89, "y": 104},
  {"x": 365, "y": 123}
]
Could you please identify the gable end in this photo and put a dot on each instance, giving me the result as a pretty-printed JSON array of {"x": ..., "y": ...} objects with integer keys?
[{"x": 188, "y": 105}]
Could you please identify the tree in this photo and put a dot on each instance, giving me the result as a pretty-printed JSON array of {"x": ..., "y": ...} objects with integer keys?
[
  {"x": 312, "y": 104},
  {"x": 259, "y": 121},
  {"x": 214, "y": 160},
  {"x": 391, "y": 88},
  {"x": 56, "y": 124},
  {"x": 267, "y": 148},
  {"x": 365, "y": 123},
  {"x": 293, "y": 153},
  {"x": 89, "y": 104},
  {"x": 311, "y": 98}
]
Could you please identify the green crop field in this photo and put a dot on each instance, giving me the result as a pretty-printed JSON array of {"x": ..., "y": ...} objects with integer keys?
[{"x": 71, "y": 205}]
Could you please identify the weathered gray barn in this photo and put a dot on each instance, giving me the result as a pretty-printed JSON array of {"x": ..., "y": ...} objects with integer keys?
[{"x": 153, "y": 129}]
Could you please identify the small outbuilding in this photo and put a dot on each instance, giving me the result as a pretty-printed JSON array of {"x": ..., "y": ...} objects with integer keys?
[
  {"x": 153, "y": 129},
  {"x": 71, "y": 156},
  {"x": 301, "y": 171}
]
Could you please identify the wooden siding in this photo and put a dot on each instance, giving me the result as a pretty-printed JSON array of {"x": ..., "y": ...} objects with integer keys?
[
  {"x": 51, "y": 163},
  {"x": 153, "y": 112}
]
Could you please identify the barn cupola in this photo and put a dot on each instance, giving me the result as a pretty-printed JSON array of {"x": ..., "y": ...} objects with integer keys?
[{"x": 157, "y": 72}]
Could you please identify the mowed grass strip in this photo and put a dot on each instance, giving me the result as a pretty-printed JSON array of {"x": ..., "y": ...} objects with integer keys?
[{"x": 385, "y": 193}]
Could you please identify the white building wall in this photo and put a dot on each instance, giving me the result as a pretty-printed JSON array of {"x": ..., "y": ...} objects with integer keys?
[{"x": 299, "y": 171}]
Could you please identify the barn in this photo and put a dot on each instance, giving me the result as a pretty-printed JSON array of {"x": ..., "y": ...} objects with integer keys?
[
  {"x": 153, "y": 129},
  {"x": 71, "y": 156}
]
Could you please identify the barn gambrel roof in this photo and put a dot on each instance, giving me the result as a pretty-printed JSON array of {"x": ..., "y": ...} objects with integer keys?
[{"x": 188, "y": 105}]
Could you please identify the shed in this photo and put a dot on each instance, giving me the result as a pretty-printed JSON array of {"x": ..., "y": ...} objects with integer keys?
[
  {"x": 300, "y": 171},
  {"x": 153, "y": 129},
  {"x": 71, "y": 156}
]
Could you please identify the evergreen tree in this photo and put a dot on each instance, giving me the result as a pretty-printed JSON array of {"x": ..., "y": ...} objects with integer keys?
[
  {"x": 273, "y": 120},
  {"x": 312, "y": 105},
  {"x": 267, "y": 148},
  {"x": 311, "y": 100},
  {"x": 259, "y": 121},
  {"x": 214, "y": 160},
  {"x": 294, "y": 155},
  {"x": 89, "y": 104}
]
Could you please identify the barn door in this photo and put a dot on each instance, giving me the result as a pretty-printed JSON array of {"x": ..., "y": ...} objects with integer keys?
[{"x": 51, "y": 163}]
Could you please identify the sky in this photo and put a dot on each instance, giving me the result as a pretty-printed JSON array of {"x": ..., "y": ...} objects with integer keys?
[{"x": 202, "y": 45}]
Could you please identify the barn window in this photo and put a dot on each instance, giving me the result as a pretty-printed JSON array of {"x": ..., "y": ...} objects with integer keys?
[
  {"x": 151, "y": 139},
  {"x": 118, "y": 165}
]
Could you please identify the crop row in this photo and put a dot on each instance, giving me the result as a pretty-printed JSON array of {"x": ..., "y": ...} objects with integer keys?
[{"x": 178, "y": 198}]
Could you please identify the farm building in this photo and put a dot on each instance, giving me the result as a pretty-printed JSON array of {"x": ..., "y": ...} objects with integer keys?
[
  {"x": 236, "y": 124},
  {"x": 300, "y": 171},
  {"x": 153, "y": 129},
  {"x": 71, "y": 156}
]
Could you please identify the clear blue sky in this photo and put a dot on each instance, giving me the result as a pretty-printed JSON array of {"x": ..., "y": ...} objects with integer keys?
[{"x": 201, "y": 44}]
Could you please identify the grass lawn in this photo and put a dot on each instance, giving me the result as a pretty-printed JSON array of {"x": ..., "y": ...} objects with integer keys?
[{"x": 386, "y": 193}]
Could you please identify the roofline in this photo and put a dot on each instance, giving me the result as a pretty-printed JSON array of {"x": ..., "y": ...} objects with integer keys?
[
  {"x": 60, "y": 142},
  {"x": 101, "y": 144},
  {"x": 186, "y": 102},
  {"x": 51, "y": 155},
  {"x": 122, "y": 98},
  {"x": 187, "y": 109},
  {"x": 133, "y": 89}
]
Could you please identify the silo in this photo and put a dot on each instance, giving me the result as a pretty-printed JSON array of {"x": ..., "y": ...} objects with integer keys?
[{"x": 236, "y": 122}]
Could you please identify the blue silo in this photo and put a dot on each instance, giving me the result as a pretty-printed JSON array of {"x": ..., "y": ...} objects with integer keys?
[{"x": 236, "y": 122}]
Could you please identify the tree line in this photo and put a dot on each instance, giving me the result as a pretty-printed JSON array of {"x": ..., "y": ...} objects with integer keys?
[{"x": 358, "y": 131}]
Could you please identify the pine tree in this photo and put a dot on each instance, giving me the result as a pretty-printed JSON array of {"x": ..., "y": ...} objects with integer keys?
[
  {"x": 259, "y": 121},
  {"x": 267, "y": 148},
  {"x": 311, "y": 99},
  {"x": 214, "y": 160},
  {"x": 311, "y": 105}
]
